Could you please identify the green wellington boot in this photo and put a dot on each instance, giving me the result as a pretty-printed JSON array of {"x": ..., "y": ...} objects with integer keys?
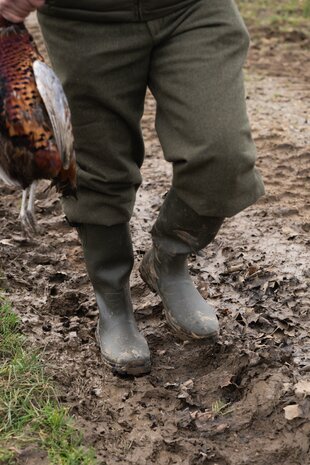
[
  {"x": 178, "y": 232},
  {"x": 109, "y": 259}
]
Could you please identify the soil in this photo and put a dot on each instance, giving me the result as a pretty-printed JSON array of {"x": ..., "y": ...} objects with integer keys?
[{"x": 244, "y": 400}]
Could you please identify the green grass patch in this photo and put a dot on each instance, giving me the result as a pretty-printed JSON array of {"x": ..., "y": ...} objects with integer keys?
[
  {"x": 282, "y": 15},
  {"x": 30, "y": 414}
]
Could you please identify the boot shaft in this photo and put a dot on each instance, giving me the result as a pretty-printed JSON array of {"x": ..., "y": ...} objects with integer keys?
[
  {"x": 180, "y": 230},
  {"x": 108, "y": 254}
]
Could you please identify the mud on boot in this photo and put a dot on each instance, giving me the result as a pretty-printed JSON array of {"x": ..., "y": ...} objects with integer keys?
[
  {"x": 109, "y": 260},
  {"x": 178, "y": 232}
]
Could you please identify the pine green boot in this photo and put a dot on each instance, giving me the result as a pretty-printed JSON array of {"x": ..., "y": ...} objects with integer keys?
[
  {"x": 178, "y": 232},
  {"x": 109, "y": 260}
]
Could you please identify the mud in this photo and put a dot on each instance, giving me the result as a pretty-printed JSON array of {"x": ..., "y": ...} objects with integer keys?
[{"x": 201, "y": 405}]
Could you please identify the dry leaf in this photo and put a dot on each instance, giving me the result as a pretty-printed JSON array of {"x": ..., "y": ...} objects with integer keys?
[
  {"x": 292, "y": 411},
  {"x": 302, "y": 388}
]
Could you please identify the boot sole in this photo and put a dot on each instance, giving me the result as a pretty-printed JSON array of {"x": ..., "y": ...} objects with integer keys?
[
  {"x": 123, "y": 370},
  {"x": 184, "y": 336},
  {"x": 180, "y": 333}
]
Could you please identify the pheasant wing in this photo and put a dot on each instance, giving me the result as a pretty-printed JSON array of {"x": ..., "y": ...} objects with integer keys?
[{"x": 55, "y": 101}]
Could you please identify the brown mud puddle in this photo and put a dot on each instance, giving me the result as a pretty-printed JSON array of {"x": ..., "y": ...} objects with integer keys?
[{"x": 220, "y": 405}]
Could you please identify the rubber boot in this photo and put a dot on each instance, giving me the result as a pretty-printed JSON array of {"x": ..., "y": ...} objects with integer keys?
[
  {"x": 109, "y": 259},
  {"x": 178, "y": 232}
]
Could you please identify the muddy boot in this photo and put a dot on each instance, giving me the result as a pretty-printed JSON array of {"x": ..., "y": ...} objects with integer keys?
[
  {"x": 178, "y": 232},
  {"x": 109, "y": 260}
]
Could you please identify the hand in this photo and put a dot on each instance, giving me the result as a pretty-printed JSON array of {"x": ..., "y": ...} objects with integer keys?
[{"x": 17, "y": 10}]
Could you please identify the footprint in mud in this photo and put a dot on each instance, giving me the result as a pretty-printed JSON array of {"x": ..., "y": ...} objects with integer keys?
[{"x": 64, "y": 303}]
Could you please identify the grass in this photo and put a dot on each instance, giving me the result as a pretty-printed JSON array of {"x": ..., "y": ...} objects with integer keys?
[
  {"x": 221, "y": 408},
  {"x": 30, "y": 414},
  {"x": 280, "y": 15}
]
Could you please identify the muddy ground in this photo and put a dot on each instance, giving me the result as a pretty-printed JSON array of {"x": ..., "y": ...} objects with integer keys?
[{"x": 225, "y": 404}]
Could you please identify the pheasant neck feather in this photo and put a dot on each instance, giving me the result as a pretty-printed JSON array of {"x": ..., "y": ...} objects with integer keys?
[{"x": 23, "y": 119}]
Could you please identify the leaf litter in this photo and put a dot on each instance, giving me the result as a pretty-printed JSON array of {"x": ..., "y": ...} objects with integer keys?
[{"x": 244, "y": 400}]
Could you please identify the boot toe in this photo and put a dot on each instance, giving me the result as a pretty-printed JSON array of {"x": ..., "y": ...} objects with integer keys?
[
  {"x": 128, "y": 362},
  {"x": 131, "y": 356},
  {"x": 133, "y": 362},
  {"x": 203, "y": 327},
  {"x": 206, "y": 327}
]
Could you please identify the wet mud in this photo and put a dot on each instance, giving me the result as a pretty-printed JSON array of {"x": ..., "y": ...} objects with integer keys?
[{"x": 244, "y": 400}]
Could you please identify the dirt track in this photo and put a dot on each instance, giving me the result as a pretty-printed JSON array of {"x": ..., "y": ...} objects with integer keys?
[{"x": 221, "y": 405}]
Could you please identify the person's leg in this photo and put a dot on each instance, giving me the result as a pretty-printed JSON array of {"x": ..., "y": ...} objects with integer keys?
[
  {"x": 196, "y": 78},
  {"x": 104, "y": 70}
]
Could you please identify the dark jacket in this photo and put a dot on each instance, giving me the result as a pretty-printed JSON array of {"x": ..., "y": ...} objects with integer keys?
[{"x": 113, "y": 10}]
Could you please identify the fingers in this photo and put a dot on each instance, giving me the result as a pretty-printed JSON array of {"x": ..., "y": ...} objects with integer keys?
[
  {"x": 17, "y": 10},
  {"x": 37, "y": 3}
]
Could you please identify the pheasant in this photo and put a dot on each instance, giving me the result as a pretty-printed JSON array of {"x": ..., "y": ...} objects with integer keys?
[{"x": 36, "y": 140}]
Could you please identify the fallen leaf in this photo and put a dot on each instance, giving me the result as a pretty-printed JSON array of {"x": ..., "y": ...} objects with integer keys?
[
  {"x": 6, "y": 242},
  {"x": 302, "y": 388},
  {"x": 292, "y": 411}
]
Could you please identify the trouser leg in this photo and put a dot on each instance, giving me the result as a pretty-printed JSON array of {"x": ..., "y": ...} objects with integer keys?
[
  {"x": 197, "y": 80},
  {"x": 104, "y": 69}
]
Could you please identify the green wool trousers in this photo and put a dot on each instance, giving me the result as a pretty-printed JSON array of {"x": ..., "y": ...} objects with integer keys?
[{"x": 192, "y": 62}]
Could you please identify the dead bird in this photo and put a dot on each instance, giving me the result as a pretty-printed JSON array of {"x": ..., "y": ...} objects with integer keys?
[{"x": 36, "y": 140}]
